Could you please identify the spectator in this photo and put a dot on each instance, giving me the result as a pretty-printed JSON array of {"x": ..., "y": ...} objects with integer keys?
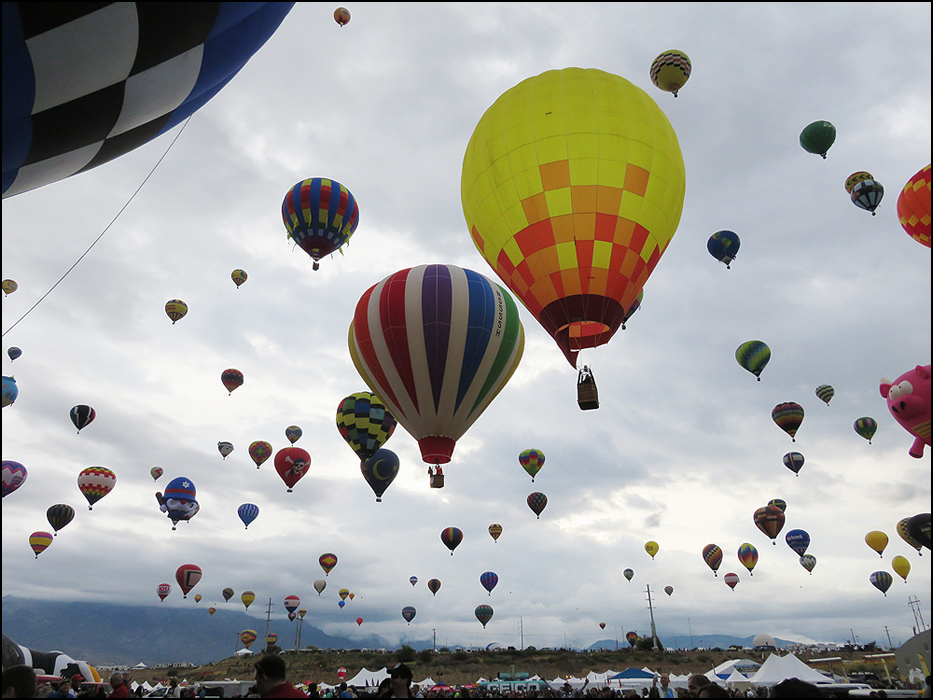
[
  {"x": 272, "y": 681},
  {"x": 795, "y": 688},
  {"x": 401, "y": 676},
  {"x": 120, "y": 689},
  {"x": 712, "y": 690},
  {"x": 694, "y": 683},
  {"x": 19, "y": 682}
]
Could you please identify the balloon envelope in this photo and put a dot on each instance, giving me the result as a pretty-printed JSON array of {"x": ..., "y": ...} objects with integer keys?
[
  {"x": 794, "y": 461},
  {"x": 82, "y": 416},
  {"x": 669, "y": 590},
  {"x": 434, "y": 585},
  {"x": 788, "y": 417},
  {"x": 712, "y": 555},
  {"x": 919, "y": 528},
  {"x": 320, "y": 215},
  {"x": 248, "y": 512},
  {"x": 292, "y": 602},
  {"x": 877, "y": 540},
  {"x": 227, "y": 594},
  {"x": 364, "y": 423},
  {"x": 327, "y": 561},
  {"x": 247, "y": 597},
  {"x": 95, "y": 483},
  {"x": 724, "y": 245},
  {"x": 451, "y": 537},
  {"x": 342, "y": 16},
  {"x": 531, "y": 460},
  {"x": 748, "y": 555},
  {"x": 537, "y": 502},
  {"x": 808, "y": 562},
  {"x": 436, "y": 343},
  {"x": 225, "y": 448},
  {"x": 867, "y": 195},
  {"x": 320, "y": 585},
  {"x": 572, "y": 228},
  {"x": 825, "y": 393},
  {"x": 494, "y": 531},
  {"x": 817, "y": 137},
  {"x": 770, "y": 520},
  {"x": 798, "y": 540},
  {"x": 247, "y": 637},
  {"x": 882, "y": 581},
  {"x": 629, "y": 574},
  {"x": 238, "y": 277},
  {"x": 59, "y": 515},
  {"x": 293, "y": 433},
  {"x": 488, "y": 579},
  {"x": 901, "y": 566},
  {"x": 39, "y": 541},
  {"x": 14, "y": 476},
  {"x": 8, "y": 286},
  {"x": 187, "y": 576},
  {"x": 176, "y": 309},
  {"x": 13, "y": 352},
  {"x": 408, "y": 612},
  {"x": 260, "y": 451},
  {"x": 865, "y": 427},
  {"x": 10, "y": 391},
  {"x": 231, "y": 379},
  {"x": 484, "y": 614},
  {"x": 413, "y": 580},
  {"x": 731, "y": 580},
  {"x": 913, "y": 207},
  {"x": 670, "y": 70},
  {"x": 292, "y": 463},
  {"x": 211, "y": 611},
  {"x": 903, "y": 529},
  {"x": 778, "y": 503},
  {"x": 156, "y": 472},
  {"x": 380, "y": 471},
  {"x": 753, "y": 355},
  {"x": 652, "y": 548}
]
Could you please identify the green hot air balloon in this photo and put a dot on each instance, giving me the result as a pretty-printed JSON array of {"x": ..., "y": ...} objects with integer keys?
[
  {"x": 866, "y": 427},
  {"x": 753, "y": 356},
  {"x": 818, "y": 137}
]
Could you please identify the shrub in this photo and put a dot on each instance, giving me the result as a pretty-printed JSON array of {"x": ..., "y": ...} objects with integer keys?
[{"x": 405, "y": 654}]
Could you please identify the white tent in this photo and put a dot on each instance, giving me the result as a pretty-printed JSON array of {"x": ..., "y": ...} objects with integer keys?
[
  {"x": 743, "y": 666},
  {"x": 367, "y": 678},
  {"x": 736, "y": 681},
  {"x": 599, "y": 679},
  {"x": 777, "y": 668},
  {"x": 427, "y": 683},
  {"x": 243, "y": 652}
]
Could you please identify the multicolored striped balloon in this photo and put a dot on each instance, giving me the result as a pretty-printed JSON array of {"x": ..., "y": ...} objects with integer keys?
[
  {"x": 866, "y": 427},
  {"x": 531, "y": 461},
  {"x": 39, "y": 541},
  {"x": 451, "y": 537},
  {"x": 59, "y": 515},
  {"x": 825, "y": 393},
  {"x": 95, "y": 483},
  {"x": 748, "y": 555},
  {"x": 537, "y": 502},
  {"x": 881, "y": 580},
  {"x": 770, "y": 520},
  {"x": 436, "y": 343},
  {"x": 320, "y": 216},
  {"x": 788, "y": 417},
  {"x": 712, "y": 555},
  {"x": 753, "y": 355},
  {"x": 364, "y": 423},
  {"x": 489, "y": 580},
  {"x": 496, "y": 529}
]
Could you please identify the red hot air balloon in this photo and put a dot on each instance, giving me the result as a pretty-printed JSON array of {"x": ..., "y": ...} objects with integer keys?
[
  {"x": 731, "y": 579},
  {"x": 163, "y": 590},
  {"x": 359, "y": 621},
  {"x": 232, "y": 379},
  {"x": 292, "y": 463},
  {"x": 631, "y": 638},
  {"x": 770, "y": 520},
  {"x": 187, "y": 576},
  {"x": 788, "y": 417},
  {"x": 327, "y": 561},
  {"x": 451, "y": 537},
  {"x": 913, "y": 207},
  {"x": 292, "y": 602},
  {"x": 537, "y": 502},
  {"x": 712, "y": 555},
  {"x": 602, "y": 625}
]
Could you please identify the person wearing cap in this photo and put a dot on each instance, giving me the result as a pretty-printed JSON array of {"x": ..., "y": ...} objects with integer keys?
[
  {"x": 271, "y": 680},
  {"x": 401, "y": 681}
]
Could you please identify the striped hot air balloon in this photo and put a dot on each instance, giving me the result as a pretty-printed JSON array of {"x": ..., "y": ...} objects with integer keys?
[
  {"x": 825, "y": 393},
  {"x": 753, "y": 355},
  {"x": 788, "y": 417}
]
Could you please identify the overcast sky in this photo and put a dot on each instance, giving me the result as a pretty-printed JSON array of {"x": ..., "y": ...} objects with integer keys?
[{"x": 682, "y": 449}]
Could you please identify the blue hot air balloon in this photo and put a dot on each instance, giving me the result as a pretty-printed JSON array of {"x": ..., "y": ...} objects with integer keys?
[
  {"x": 798, "y": 540},
  {"x": 248, "y": 513},
  {"x": 489, "y": 580},
  {"x": 723, "y": 245}
]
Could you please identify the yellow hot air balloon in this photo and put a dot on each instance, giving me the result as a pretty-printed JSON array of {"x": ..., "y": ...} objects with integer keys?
[
  {"x": 901, "y": 566},
  {"x": 652, "y": 548},
  {"x": 877, "y": 540},
  {"x": 572, "y": 187}
]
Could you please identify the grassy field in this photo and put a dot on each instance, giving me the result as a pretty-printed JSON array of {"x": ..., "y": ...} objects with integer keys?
[{"x": 459, "y": 667}]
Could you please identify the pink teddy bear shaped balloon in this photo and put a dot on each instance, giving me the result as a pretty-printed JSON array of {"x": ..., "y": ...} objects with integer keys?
[{"x": 909, "y": 402}]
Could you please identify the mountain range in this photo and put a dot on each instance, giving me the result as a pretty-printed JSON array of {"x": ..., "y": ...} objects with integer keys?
[{"x": 123, "y": 635}]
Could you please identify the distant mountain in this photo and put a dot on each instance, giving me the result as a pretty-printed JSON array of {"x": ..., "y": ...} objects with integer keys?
[
  {"x": 706, "y": 641},
  {"x": 124, "y": 635}
]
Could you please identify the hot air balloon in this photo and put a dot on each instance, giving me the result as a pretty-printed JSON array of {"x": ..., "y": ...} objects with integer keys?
[
  {"x": 39, "y": 541},
  {"x": 877, "y": 540},
  {"x": 825, "y": 393},
  {"x": 451, "y": 537},
  {"x": 248, "y": 637},
  {"x": 302, "y": 612},
  {"x": 866, "y": 427},
  {"x": 531, "y": 460},
  {"x": 794, "y": 461},
  {"x": 602, "y": 625},
  {"x": 248, "y": 513},
  {"x": 723, "y": 245},
  {"x": 156, "y": 472},
  {"x": 413, "y": 580},
  {"x": 95, "y": 483},
  {"x": 904, "y": 532},
  {"x": 488, "y": 579},
  {"x": 163, "y": 590},
  {"x": 855, "y": 178},
  {"x": 537, "y": 502},
  {"x": 292, "y": 602},
  {"x": 494, "y": 531},
  {"x": 913, "y": 207},
  {"x": 260, "y": 451},
  {"x": 484, "y": 614},
  {"x": 10, "y": 391},
  {"x": 636, "y": 305},
  {"x": 187, "y": 576},
  {"x": 817, "y": 137},
  {"x": 211, "y": 611},
  {"x": 13, "y": 352},
  {"x": 788, "y": 417},
  {"x": 14, "y": 475},
  {"x": 342, "y": 16},
  {"x": 232, "y": 379},
  {"x": 175, "y": 309},
  {"x": 731, "y": 579},
  {"x": 769, "y": 520},
  {"x": 919, "y": 528},
  {"x": 238, "y": 277},
  {"x": 808, "y": 562},
  {"x": 753, "y": 355},
  {"x": 320, "y": 585},
  {"x": 82, "y": 416},
  {"x": 798, "y": 540},
  {"x": 463, "y": 341},
  {"x": 670, "y": 70},
  {"x": 408, "y": 612},
  {"x": 247, "y": 597},
  {"x": 320, "y": 215},
  {"x": 901, "y": 566},
  {"x": 59, "y": 515},
  {"x": 270, "y": 639},
  {"x": 293, "y": 433},
  {"x": 359, "y": 621},
  {"x": 652, "y": 548},
  {"x": 8, "y": 286},
  {"x": 151, "y": 69},
  {"x": 882, "y": 581},
  {"x": 669, "y": 590},
  {"x": 180, "y": 500},
  {"x": 327, "y": 561},
  {"x": 629, "y": 574},
  {"x": 908, "y": 400},
  {"x": 380, "y": 471},
  {"x": 227, "y": 593},
  {"x": 292, "y": 463},
  {"x": 867, "y": 195},
  {"x": 225, "y": 448},
  {"x": 364, "y": 423},
  {"x": 434, "y": 585},
  {"x": 778, "y": 503},
  {"x": 574, "y": 228},
  {"x": 631, "y": 638},
  {"x": 712, "y": 555},
  {"x": 748, "y": 555}
]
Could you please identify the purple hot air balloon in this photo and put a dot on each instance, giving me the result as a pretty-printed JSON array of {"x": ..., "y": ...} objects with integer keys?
[{"x": 489, "y": 580}]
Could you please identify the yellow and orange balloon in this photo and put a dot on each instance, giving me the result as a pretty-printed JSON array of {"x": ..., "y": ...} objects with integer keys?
[
  {"x": 572, "y": 187},
  {"x": 913, "y": 207}
]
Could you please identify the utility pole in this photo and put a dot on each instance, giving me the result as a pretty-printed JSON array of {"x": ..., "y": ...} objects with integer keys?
[
  {"x": 691, "y": 633},
  {"x": 434, "y": 645},
  {"x": 521, "y": 630},
  {"x": 854, "y": 638},
  {"x": 914, "y": 603},
  {"x": 654, "y": 631},
  {"x": 268, "y": 618},
  {"x": 887, "y": 632}
]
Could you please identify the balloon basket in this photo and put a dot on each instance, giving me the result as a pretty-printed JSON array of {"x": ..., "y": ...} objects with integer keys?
[
  {"x": 587, "y": 394},
  {"x": 437, "y": 481}
]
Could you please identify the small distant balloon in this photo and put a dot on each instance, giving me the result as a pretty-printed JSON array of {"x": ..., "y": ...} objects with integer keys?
[
  {"x": 327, "y": 561},
  {"x": 247, "y": 637},
  {"x": 537, "y": 501},
  {"x": 631, "y": 638},
  {"x": 788, "y": 417},
  {"x": 652, "y": 548},
  {"x": 271, "y": 638},
  {"x": 292, "y": 602},
  {"x": 176, "y": 309},
  {"x": 867, "y": 195},
  {"x": 225, "y": 448},
  {"x": 359, "y": 621},
  {"x": 602, "y": 625},
  {"x": 248, "y": 512},
  {"x": 494, "y": 531},
  {"x": 211, "y": 611},
  {"x": 489, "y": 579},
  {"x": 10, "y": 391},
  {"x": 232, "y": 379},
  {"x": 413, "y": 580},
  {"x": 794, "y": 461},
  {"x": 817, "y": 137},
  {"x": 484, "y": 614},
  {"x": 877, "y": 540},
  {"x": 451, "y": 537},
  {"x": 712, "y": 555},
  {"x": 238, "y": 277},
  {"x": 248, "y": 597},
  {"x": 882, "y": 581},
  {"x": 808, "y": 562},
  {"x": 865, "y": 427},
  {"x": 670, "y": 71},
  {"x": 187, "y": 576},
  {"x": 13, "y": 352},
  {"x": 753, "y": 355},
  {"x": 14, "y": 475},
  {"x": 731, "y": 579},
  {"x": 748, "y": 555},
  {"x": 293, "y": 433},
  {"x": 260, "y": 451},
  {"x": 798, "y": 540},
  {"x": 82, "y": 416},
  {"x": 901, "y": 566},
  {"x": 197, "y": 598},
  {"x": 163, "y": 590},
  {"x": 723, "y": 245},
  {"x": 8, "y": 286},
  {"x": 227, "y": 593},
  {"x": 59, "y": 515},
  {"x": 95, "y": 483},
  {"x": 434, "y": 585},
  {"x": 825, "y": 393},
  {"x": 39, "y": 541},
  {"x": 669, "y": 590},
  {"x": 531, "y": 460},
  {"x": 408, "y": 612},
  {"x": 342, "y": 16},
  {"x": 320, "y": 585},
  {"x": 629, "y": 574},
  {"x": 156, "y": 472}
]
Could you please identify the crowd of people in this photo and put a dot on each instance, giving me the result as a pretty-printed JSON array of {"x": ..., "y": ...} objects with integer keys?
[{"x": 271, "y": 681}]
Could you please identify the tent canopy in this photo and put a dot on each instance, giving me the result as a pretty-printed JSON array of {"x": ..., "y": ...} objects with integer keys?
[
  {"x": 632, "y": 673},
  {"x": 778, "y": 668}
]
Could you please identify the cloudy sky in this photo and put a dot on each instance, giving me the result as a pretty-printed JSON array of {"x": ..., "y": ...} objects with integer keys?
[{"x": 682, "y": 450}]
